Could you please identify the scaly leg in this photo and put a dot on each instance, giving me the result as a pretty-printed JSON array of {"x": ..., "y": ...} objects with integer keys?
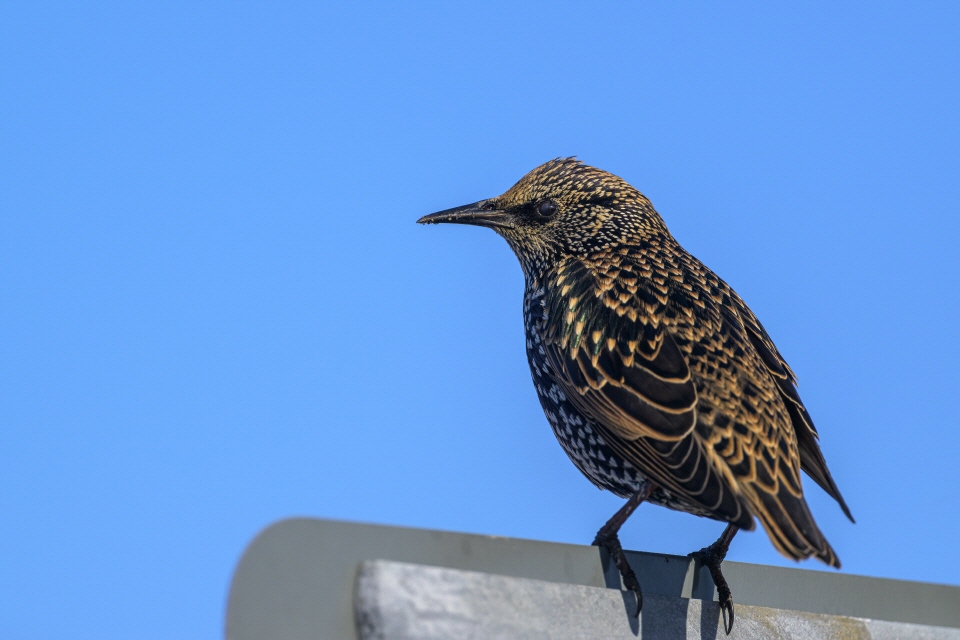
[
  {"x": 711, "y": 557},
  {"x": 608, "y": 539}
]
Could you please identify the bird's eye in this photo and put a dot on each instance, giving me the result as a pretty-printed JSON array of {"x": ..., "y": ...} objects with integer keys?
[{"x": 546, "y": 209}]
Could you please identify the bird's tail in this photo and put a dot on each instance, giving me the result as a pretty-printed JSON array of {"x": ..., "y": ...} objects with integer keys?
[{"x": 790, "y": 525}]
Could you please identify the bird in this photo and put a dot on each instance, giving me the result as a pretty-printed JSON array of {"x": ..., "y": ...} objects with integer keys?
[{"x": 658, "y": 381}]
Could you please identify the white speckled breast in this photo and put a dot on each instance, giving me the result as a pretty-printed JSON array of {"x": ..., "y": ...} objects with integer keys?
[{"x": 577, "y": 433}]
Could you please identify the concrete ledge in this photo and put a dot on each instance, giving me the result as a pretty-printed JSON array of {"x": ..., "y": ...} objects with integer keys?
[
  {"x": 401, "y": 601},
  {"x": 297, "y": 578}
]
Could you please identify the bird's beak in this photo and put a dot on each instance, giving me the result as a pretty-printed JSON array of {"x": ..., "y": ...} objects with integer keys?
[{"x": 478, "y": 213}]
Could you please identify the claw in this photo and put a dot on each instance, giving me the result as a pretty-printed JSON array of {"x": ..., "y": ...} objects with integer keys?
[
  {"x": 726, "y": 606},
  {"x": 612, "y": 544},
  {"x": 711, "y": 557},
  {"x": 631, "y": 583},
  {"x": 607, "y": 538},
  {"x": 639, "y": 594},
  {"x": 724, "y": 596}
]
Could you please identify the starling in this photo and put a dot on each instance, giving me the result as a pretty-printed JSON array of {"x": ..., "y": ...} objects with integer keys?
[{"x": 659, "y": 382}]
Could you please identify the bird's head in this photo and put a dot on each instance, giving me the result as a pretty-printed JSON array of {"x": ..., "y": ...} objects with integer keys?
[{"x": 559, "y": 209}]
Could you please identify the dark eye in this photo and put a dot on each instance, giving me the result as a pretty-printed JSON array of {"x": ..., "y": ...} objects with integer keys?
[{"x": 547, "y": 209}]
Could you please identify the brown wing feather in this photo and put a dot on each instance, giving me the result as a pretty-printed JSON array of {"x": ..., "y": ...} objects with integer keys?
[
  {"x": 666, "y": 367},
  {"x": 811, "y": 457},
  {"x": 744, "y": 415},
  {"x": 630, "y": 376}
]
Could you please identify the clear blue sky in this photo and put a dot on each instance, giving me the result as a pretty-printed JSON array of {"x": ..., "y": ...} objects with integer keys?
[{"x": 217, "y": 310}]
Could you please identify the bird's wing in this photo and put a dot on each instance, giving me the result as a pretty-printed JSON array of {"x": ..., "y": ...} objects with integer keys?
[
  {"x": 620, "y": 365},
  {"x": 743, "y": 416},
  {"x": 811, "y": 458}
]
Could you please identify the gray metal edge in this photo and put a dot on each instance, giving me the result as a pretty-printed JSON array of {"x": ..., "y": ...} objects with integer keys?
[
  {"x": 402, "y": 601},
  {"x": 296, "y": 578}
]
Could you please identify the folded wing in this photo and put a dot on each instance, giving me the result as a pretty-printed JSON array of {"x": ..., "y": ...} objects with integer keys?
[{"x": 622, "y": 367}]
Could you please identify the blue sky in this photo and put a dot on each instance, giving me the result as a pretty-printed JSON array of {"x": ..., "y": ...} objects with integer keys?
[{"x": 218, "y": 311}]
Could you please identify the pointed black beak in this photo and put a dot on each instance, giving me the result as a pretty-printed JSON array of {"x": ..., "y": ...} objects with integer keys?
[{"x": 483, "y": 214}]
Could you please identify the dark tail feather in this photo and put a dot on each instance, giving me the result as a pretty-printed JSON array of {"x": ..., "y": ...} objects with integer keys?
[
  {"x": 811, "y": 458},
  {"x": 790, "y": 525}
]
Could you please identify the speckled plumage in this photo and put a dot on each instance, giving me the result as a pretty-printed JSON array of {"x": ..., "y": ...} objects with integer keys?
[{"x": 648, "y": 365}]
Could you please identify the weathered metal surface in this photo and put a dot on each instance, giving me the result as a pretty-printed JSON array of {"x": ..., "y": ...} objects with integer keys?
[{"x": 296, "y": 579}]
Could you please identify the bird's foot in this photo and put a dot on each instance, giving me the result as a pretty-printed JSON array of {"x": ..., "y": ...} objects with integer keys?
[
  {"x": 611, "y": 542},
  {"x": 712, "y": 557}
]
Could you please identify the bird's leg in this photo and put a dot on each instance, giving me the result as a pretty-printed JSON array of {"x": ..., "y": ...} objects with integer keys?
[
  {"x": 711, "y": 557},
  {"x": 608, "y": 539}
]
